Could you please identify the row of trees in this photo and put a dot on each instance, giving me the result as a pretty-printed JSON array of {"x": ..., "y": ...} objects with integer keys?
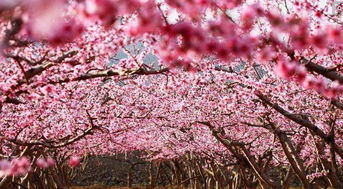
[{"x": 254, "y": 88}]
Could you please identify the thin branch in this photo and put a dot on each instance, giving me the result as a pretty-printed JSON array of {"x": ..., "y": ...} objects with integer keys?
[{"x": 111, "y": 72}]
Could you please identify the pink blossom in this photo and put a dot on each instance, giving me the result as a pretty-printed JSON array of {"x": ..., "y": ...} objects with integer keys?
[
  {"x": 331, "y": 93},
  {"x": 46, "y": 90},
  {"x": 8, "y": 4},
  {"x": 315, "y": 84},
  {"x": 5, "y": 168},
  {"x": 51, "y": 162},
  {"x": 20, "y": 166},
  {"x": 266, "y": 54},
  {"x": 42, "y": 163},
  {"x": 45, "y": 21},
  {"x": 335, "y": 34},
  {"x": 286, "y": 69},
  {"x": 74, "y": 161},
  {"x": 104, "y": 10},
  {"x": 319, "y": 41}
]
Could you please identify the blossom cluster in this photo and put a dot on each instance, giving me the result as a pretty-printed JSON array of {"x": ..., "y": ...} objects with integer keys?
[{"x": 16, "y": 167}]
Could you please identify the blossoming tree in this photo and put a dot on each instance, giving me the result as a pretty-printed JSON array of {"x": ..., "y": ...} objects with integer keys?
[{"x": 254, "y": 87}]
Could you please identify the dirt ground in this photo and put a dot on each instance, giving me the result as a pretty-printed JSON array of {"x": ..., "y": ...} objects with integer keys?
[
  {"x": 103, "y": 187},
  {"x": 135, "y": 187}
]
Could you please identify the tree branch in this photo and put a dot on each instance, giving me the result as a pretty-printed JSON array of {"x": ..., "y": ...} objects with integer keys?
[
  {"x": 326, "y": 72},
  {"x": 303, "y": 122}
]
